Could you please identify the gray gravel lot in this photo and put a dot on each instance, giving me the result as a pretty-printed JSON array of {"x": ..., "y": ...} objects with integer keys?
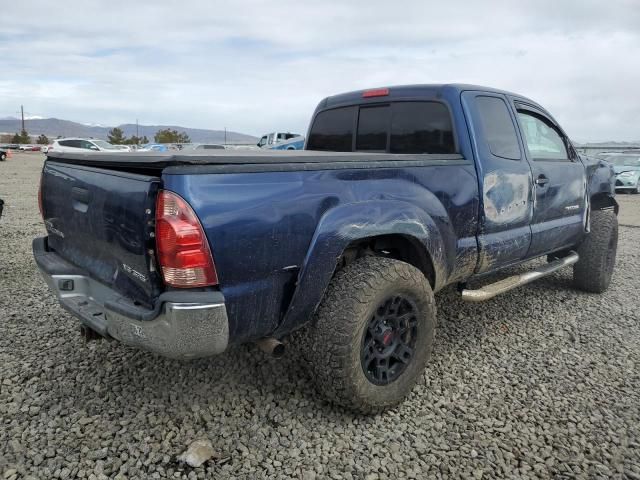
[{"x": 543, "y": 382}]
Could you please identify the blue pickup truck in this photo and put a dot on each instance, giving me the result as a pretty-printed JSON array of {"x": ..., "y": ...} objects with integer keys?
[{"x": 400, "y": 192}]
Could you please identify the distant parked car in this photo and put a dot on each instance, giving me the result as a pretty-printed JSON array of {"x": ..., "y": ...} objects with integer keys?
[
  {"x": 201, "y": 146},
  {"x": 271, "y": 139},
  {"x": 627, "y": 169},
  {"x": 78, "y": 144},
  {"x": 296, "y": 143},
  {"x": 154, "y": 147}
]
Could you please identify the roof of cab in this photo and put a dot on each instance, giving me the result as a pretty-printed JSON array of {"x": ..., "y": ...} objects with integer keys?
[{"x": 409, "y": 91}]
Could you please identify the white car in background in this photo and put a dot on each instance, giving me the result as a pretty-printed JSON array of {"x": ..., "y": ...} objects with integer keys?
[{"x": 79, "y": 144}]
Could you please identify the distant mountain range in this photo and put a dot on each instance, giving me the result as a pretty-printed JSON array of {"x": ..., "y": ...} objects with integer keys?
[{"x": 54, "y": 127}]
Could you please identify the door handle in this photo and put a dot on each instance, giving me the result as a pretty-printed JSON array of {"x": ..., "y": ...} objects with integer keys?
[{"x": 542, "y": 180}]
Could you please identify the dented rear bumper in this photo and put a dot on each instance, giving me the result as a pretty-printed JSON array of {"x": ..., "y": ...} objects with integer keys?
[{"x": 182, "y": 325}]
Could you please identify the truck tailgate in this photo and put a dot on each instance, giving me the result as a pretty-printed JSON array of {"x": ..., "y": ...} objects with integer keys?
[{"x": 102, "y": 221}]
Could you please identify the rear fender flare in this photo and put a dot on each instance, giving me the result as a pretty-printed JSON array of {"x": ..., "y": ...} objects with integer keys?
[{"x": 351, "y": 222}]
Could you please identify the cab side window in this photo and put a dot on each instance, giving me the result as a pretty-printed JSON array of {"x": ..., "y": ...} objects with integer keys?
[
  {"x": 498, "y": 127},
  {"x": 543, "y": 141}
]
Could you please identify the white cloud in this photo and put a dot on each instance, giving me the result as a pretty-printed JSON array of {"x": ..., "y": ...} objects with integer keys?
[{"x": 257, "y": 66}]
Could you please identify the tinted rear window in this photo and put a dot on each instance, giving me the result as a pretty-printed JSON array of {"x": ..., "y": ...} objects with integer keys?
[
  {"x": 400, "y": 127},
  {"x": 333, "y": 130},
  {"x": 498, "y": 127},
  {"x": 373, "y": 125},
  {"x": 421, "y": 127}
]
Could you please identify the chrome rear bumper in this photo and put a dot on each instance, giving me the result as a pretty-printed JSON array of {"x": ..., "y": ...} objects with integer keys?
[{"x": 183, "y": 325}]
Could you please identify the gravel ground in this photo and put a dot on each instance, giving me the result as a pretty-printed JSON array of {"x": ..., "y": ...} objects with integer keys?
[{"x": 543, "y": 382}]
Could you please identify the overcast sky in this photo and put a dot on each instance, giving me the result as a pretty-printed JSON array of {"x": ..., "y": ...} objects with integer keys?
[{"x": 261, "y": 66}]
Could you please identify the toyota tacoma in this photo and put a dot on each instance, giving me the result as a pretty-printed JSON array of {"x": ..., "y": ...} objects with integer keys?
[{"x": 398, "y": 193}]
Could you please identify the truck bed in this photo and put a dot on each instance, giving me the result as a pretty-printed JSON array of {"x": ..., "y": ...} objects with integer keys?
[{"x": 274, "y": 160}]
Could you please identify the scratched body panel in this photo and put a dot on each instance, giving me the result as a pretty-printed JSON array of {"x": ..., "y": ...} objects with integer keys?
[
  {"x": 504, "y": 232},
  {"x": 97, "y": 220},
  {"x": 272, "y": 231}
]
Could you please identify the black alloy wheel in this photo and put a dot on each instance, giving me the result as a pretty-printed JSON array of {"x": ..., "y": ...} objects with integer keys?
[{"x": 389, "y": 341}]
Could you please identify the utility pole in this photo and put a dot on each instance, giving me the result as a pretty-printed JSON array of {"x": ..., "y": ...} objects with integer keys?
[
  {"x": 22, "y": 112},
  {"x": 137, "y": 135},
  {"x": 225, "y": 135}
]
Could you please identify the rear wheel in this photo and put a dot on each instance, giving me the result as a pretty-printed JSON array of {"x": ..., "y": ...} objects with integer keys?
[
  {"x": 597, "y": 253},
  {"x": 372, "y": 334}
]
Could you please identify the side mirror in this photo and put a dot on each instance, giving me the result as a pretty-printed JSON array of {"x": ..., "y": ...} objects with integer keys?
[{"x": 93, "y": 147}]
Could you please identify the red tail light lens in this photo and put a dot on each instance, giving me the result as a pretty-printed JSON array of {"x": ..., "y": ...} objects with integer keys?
[{"x": 183, "y": 250}]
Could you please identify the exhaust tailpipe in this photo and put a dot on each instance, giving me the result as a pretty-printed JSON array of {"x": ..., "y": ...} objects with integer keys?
[{"x": 271, "y": 346}]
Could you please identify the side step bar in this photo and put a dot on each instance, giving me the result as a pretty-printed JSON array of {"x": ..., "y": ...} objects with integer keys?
[{"x": 502, "y": 286}]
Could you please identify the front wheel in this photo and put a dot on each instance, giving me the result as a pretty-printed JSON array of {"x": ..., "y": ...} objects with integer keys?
[
  {"x": 3, "y": 156},
  {"x": 372, "y": 334},
  {"x": 597, "y": 253}
]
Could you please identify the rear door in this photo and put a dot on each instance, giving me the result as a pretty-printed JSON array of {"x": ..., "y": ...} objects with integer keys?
[
  {"x": 559, "y": 182},
  {"x": 504, "y": 233},
  {"x": 102, "y": 221}
]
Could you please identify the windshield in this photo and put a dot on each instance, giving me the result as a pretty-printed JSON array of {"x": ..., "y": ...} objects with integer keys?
[
  {"x": 105, "y": 145},
  {"x": 625, "y": 160}
]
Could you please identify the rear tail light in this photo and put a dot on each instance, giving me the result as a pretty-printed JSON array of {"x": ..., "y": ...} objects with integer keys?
[{"x": 183, "y": 251}]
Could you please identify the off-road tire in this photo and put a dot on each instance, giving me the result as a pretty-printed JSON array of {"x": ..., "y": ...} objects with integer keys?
[
  {"x": 334, "y": 340},
  {"x": 593, "y": 271},
  {"x": 3, "y": 157}
]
